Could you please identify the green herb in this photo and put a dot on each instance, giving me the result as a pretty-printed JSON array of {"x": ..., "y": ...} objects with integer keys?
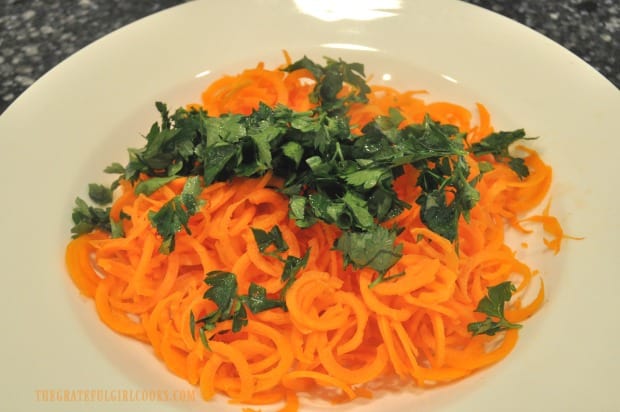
[
  {"x": 174, "y": 214},
  {"x": 374, "y": 248},
  {"x": 329, "y": 174},
  {"x": 116, "y": 229},
  {"x": 497, "y": 144},
  {"x": 87, "y": 218},
  {"x": 114, "y": 168},
  {"x": 230, "y": 305},
  {"x": 292, "y": 264},
  {"x": 435, "y": 212},
  {"x": 257, "y": 300},
  {"x": 273, "y": 237},
  {"x": 223, "y": 288},
  {"x": 330, "y": 80},
  {"x": 492, "y": 305},
  {"x": 100, "y": 194},
  {"x": 149, "y": 186},
  {"x": 223, "y": 292}
]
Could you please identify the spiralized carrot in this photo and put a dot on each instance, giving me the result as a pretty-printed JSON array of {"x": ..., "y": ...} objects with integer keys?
[
  {"x": 339, "y": 337},
  {"x": 552, "y": 226}
]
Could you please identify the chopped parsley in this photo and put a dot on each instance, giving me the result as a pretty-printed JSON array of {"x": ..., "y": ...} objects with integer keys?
[
  {"x": 330, "y": 174},
  {"x": 223, "y": 289},
  {"x": 88, "y": 218},
  {"x": 492, "y": 305},
  {"x": 174, "y": 214},
  {"x": 497, "y": 144}
]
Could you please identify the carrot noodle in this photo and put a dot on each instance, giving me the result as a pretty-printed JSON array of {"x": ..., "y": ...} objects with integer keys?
[
  {"x": 339, "y": 337},
  {"x": 552, "y": 226}
]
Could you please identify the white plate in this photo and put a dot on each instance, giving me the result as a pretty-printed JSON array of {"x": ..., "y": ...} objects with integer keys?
[{"x": 81, "y": 116}]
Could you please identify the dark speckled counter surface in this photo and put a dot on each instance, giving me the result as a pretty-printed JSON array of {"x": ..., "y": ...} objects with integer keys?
[{"x": 36, "y": 35}]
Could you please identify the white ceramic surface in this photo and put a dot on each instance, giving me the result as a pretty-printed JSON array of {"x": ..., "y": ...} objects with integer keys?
[{"x": 81, "y": 116}]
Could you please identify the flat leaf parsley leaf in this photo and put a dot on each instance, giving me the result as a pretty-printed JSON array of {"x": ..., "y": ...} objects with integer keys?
[
  {"x": 100, "y": 194},
  {"x": 174, "y": 214},
  {"x": 497, "y": 144},
  {"x": 273, "y": 237},
  {"x": 374, "y": 248},
  {"x": 492, "y": 305},
  {"x": 292, "y": 264},
  {"x": 223, "y": 289},
  {"x": 87, "y": 218}
]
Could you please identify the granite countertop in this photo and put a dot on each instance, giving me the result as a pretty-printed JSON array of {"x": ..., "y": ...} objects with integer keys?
[{"x": 36, "y": 35}]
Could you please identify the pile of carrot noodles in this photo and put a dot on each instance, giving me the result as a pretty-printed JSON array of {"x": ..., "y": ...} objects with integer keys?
[{"x": 339, "y": 338}]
